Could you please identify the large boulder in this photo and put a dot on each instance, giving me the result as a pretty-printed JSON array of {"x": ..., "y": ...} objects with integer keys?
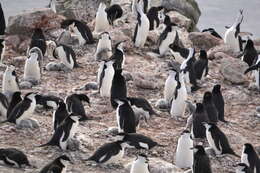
[
  {"x": 188, "y": 8},
  {"x": 181, "y": 20},
  {"x": 213, "y": 52},
  {"x": 24, "y": 23},
  {"x": 233, "y": 69},
  {"x": 205, "y": 41}
]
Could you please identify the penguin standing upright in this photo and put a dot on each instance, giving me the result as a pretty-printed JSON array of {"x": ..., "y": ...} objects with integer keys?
[
  {"x": 13, "y": 157},
  {"x": 125, "y": 117},
  {"x": 210, "y": 107},
  {"x": 170, "y": 86},
  {"x": 38, "y": 40},
  {"x": 118, "y": 88},
  {"x": 145, "y": 5},
  {"x": 66, "y": 55},
  {"x": 180, "y": 95},
  {"x": 64, "y": 132},
  {"x": 250, "y": 158},
  {"x": 167, "y": 38},
  {"x": 218, "y": 101},
  {"x": 140, "y": 165},
  {"x": 232, "y": 37},
  {"x": 104, "y": 47},
  {"x": 101, "y": 22},
  {"x": 32, "y": 69},
  {"x": 81, "y": 30},
  {"x": 249, "y": 54},
  {"x": 114, "y": 12},
  {"x": 59, "y": 115},
  {"x": 2, "y": 33},
  {"x": 201, "y": 67},
  {"x": 142, "y": 28},
  {"x": 59, "y": 165},
  {"x": 217, "y": 140},
  {"x": 10, "y": 82},
  {"x": 16, "y": 98},
  {"x": 256, "y": 69},
  {"x": 108, "y": 153},
  {"x": 201, "y": 162},
  {"x": 23, "y": 110},
  {"x": 243, "y": 168},
  {"x": 4, "y": 104},
  {"x": 198, "y": 117},
  {"x": 52, "y": 5},
  {"x": 184, "y": 153},
  {"x": 74, "y": 104},
  {"x": 155, "y": 16},
  {"x": 119, "y": 55},
  {"x": 105, "y": 77}
]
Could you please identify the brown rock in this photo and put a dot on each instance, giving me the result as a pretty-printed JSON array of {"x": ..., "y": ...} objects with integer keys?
[
  {"x": 144, "y": 82},
  {"x": 181, "y": 20},
  {"x": 204, "y": 40},
  {"x": 13, "y": 40},
  {"x": 221, "y": 48}
]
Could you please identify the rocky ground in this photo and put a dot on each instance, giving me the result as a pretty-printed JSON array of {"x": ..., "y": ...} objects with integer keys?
[{"x": 241, "y": 102}]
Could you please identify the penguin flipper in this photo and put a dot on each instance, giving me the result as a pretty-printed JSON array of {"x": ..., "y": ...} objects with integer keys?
[
  {"x": 66, "y": 129},
  {"x": 253, "y": 67}
]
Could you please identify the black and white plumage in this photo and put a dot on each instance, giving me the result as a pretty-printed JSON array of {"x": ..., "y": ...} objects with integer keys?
[
  {"x": 217, "y": 140},
  {"x": 64, "y": 132},
  {"x": 118, "y": 55},
  {"x": 155, "y": 16},
  {"x": 101, "y": 21},
  {"x": 2, "y": 49},
  {"x": 198, "y": 117},
  {"x": 256, "y": 69},
  {"x": 104, "y": 47},
  {"x": 249, "y": 54},
  {"x": 212, "y": 32},
  {"x": 38, "y": 40},
  {"x": 125, "y": 117},
  {"x": 144, "y": 4},
  {"x": 201, "y": 67},
  {"x": 140, "y": 165},
  {"x": 59, "y": 115},
  {"x": 2, "y": 33},
  {"x": 4, "y": 104},
  {"x": 141, "y": 108},
  {"x": 23, "y": 110},
  {"x": 201, "y": 163},
  {"x": 59, "y": 165},
  {"x": 32, "y": 67},
  {"x": 81, "y": 30},
  {"x": 142, "y": 28},
  {"x": 219, "y": 102},
  {"x": 114, "y": 12},
  {"x": 118, "y": 88},
  {"x": 16, "y": 98},
  {"x": 250, "y": 158},
  {"x": 108, "y": 153},
  {"x": 48, "y": 101},
  {"x": 10, "y": 82},
  {"x": 232, "y": 37},
  {"x": 66, "y": 55},
  {"x": 138, "y": 141},
  {"x": 243, "y": 168},
  {"x": 52, "y": 5},
  {"x": 210, "y": 107},
  {"x": 74, "y": 104},
  {"x": 170, "y": 86},
  {"x": 13, "y": 157}
]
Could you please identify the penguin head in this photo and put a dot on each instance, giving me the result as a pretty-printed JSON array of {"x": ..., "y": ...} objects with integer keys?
[
  {"x": 185, "y": 133},
  {"x": 203, "y": 54},
  {"x": 207, "y": 97},
  {"x": 85, "y": 98},
  {"x": 64, "y": 159},
  {"x": 161, "y": 15},
  {"x": 241, "y": 167},
  {"x": 61, "y": 104},
  {"x": 121, "y": 101},
  {"x": 74, "y": 117},
  {"x": 17, "y": 94},
  {"x": 104, "y": 36},
  {"x": 249, "y": 44},
  {"x": 30, "y": 96},
  {"x": 102, "y": 6},
  {"x": 198, "y": 149},
  {"x": 248, "y": 148},
  {"x": 120, "y": 46},
  {"x": 216, "y": 88}
]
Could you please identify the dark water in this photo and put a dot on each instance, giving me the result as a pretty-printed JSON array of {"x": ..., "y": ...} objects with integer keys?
[{"x": 215, "y": 13}]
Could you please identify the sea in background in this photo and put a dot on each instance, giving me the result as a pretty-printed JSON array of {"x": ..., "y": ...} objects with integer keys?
[{"x": 215, "y": 13}]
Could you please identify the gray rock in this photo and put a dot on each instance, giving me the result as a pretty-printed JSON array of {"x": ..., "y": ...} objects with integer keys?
[
  {"x": 28, "y": 123},
  {"x": 112, "y": 131},
  {"x": 25, "y": 85},
  {"x": 128, "y": 76},
  {"x": 145, "y": 82},
  {"x": 188, "y": 8},
  {"x": 233, "y": 70},
  {"x": 89, "y": 86},
  {"x": 162, "y": 104},
  {"x": 52, "y": 66},
  {"x": 25, "y": 22},
  {"x": 205, "y": 41}
]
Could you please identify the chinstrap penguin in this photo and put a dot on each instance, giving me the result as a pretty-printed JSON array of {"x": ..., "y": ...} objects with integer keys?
[
  {"x": 104, "y": 47},
  {"x": 210, "y": 107},
  {"x": 14, "y": 157},
  {"x": 38, "y": 40},
  {"x": 250, "y": 158},
  {"x": 101, "y": 21},
  {"x": 59, "y": 165},
  {"x": 140, "y": 165},
  {"x": 219, "y": 102},
  {"x": 256, "y": 69},
  {"x": 201, "y": 162},
  {"x": 201, "y": 68}
]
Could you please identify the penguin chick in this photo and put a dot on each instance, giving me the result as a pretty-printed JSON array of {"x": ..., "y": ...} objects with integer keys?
[
  {"x": 140, "y": 165},
  {"x": 104, "y": 47},
  {"x": 10, "y": 82},
  {"x": 74, "y": 104},
  {"x": 108, "y": 153},
  {"x": 218, "y": 140},
  {"x": 32, "y": 69},
  {"x": 13, "y": 157},
  {"x": 59, "y": 165},
  {"x": 155, "y": 16},
  {"x": 201, "y": 162},
  {"x": 64, "y": 132}
]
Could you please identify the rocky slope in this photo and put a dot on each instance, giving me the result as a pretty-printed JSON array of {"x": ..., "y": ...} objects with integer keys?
[{"x": 243, "y": 126}]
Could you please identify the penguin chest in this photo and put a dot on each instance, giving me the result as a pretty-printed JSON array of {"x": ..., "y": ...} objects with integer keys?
[
  {"x": 244, "y": 159},
  {"x": 139, "y": 167},
  {"x": 142, "y": 31},
  {"x": 184, "y": 155},
  {"x": 170, "y": 86},
  {"x": 79, "y": 35},
  {"x": 178, "y": 104},
  {"x": 212, "y": 144},
  {"x": 64, "y": 59},
  {"x": 230, "y": 39},
  {"x": 32, "y": 70},
  {"x": 118, "y": 118},
  {"x": 164, "y": 47},
  {"x": 9, "y": 83},
  {"x": 105, "y": 89}
]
